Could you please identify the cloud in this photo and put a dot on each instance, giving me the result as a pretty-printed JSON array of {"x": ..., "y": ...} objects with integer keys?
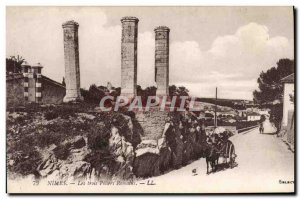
[
  {"x": 232, "y": 63},
  {"x": 185, "y": 60}
]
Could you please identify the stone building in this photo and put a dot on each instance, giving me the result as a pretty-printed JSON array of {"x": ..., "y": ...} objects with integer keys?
[
  {"x": 162, "y": 60},
  {"x": 288, "y": 90},
  {"x": 288, "y": 118},
  {"x": 71, "y": 55},
  {"x": 31, "y": 86},
  {"x": 129, "y": 56}
]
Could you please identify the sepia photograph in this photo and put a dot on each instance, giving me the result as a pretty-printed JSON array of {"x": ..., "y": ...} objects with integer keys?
[{"x": 150, "y": 99}]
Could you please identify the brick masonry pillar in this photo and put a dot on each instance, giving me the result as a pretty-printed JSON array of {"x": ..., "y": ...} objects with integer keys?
[
  {"x": 38, "y": 83},
  {"x": 25, "y": 71},
  {"x": 72, "y": 71},
  {"x": 162, "y": 60},
  {"x": 129, "y": 56}
]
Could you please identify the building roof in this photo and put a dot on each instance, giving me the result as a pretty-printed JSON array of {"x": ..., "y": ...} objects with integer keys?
[
  {"x": 288, "y": 79},
  {"x": 15, "y": 76},
  {"x": 52, "y": 81},
  {"x": 253, "y": 114}
]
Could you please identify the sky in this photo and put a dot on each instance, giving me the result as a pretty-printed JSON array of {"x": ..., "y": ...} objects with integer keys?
[{"x": 224, "y": 47}]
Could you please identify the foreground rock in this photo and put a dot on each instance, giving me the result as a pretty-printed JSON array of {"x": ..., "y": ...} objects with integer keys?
[{"x": 101, "y": 145}]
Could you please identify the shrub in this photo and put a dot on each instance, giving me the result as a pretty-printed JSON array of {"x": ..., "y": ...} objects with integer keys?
[
  {"x": 26, "y": 163},
  {"x": 51, "y": 115},
  {"x": 98, "y": 137},
  {"x": 45, "y": 139}
]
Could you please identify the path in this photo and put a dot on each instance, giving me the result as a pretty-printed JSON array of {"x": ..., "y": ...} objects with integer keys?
[{"x": 263, "y": 160}]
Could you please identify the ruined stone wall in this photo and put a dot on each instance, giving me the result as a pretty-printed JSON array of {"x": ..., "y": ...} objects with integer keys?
[
  {"x": 15, "y": 91},
  {"x": 153, "y": 124},
  {"x": 52, "y": 92},
  {"x": 166, "y": 143},
  {"x": 162, "y": 60},
  {"x": 129, "y": 56}
]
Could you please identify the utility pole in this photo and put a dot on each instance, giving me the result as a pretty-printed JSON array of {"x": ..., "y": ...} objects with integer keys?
[{"x": 216, "y": 107}]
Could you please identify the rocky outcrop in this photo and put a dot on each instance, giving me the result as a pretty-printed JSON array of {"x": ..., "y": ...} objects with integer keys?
[
  {"x": 72, "y": 166},
  {"x": 117, "y": 146},
  {"x": 180, "y": 142},
  {"x": 123, "y": 153}
]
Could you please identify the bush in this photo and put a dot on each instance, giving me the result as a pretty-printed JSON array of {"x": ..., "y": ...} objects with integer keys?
[
  {"x": 51, "y": 115},
  {"x": 93, "y": 95},
  {"x": 45, "y": 139},
  {"x": 98, "y": 136},
  {"x": 276, "y": 115},
  {"x": 26, "y": 163}
]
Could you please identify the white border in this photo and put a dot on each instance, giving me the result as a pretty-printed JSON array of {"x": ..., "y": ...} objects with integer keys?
[{"x": 5, "y": 3}]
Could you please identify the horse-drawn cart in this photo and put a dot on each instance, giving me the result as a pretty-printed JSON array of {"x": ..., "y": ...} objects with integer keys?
[
  {"x": 220, "y": 151},
  {"x": 227, "y": 153}
]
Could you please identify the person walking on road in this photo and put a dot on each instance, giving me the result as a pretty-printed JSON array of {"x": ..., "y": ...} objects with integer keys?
[{"x": 261, "y": 128}]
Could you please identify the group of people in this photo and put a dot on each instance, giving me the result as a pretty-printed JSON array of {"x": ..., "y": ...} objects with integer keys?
[
  {"x": 196, "y": 141},
  {"x": 203, "y": 137}
]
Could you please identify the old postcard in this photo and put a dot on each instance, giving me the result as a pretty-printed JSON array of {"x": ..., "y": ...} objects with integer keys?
[{"x": 150, "y": 100}]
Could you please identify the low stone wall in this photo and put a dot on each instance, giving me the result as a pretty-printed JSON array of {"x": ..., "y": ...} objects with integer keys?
[
  {"x": 170, "y": 140},
  {"x": 152, "y": 123},
  {"x": 15, "y": 90},
  {"x": 229, "y": 128},
  {"x": 52, "y": 92}
]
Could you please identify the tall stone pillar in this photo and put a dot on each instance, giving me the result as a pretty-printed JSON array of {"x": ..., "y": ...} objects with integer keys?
[
  {"x": 129, "y": 56},
  {"x": 72, "y": 72},
  {"x": 162, "y": 60}
]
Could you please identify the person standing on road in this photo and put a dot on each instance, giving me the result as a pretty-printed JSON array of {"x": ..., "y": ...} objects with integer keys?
[{"x": 261, "y": 128}]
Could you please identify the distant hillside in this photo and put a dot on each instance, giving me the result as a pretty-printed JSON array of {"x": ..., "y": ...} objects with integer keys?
[
  {"x": 232, "y": 103},
  {"x": 204, "y": 106}
]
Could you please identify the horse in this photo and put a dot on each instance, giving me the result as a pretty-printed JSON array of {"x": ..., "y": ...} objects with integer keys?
[{"x": 212, "y": 157}]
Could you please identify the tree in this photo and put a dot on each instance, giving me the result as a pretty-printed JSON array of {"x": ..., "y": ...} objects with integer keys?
[
  {"x": 178, "y": 91},
  {"x": 145, "y": 93},
  {"x": 13, "y": 64},
  {"x": 93, "y": 95},
  {"x": 262, "y": 118},
  {"x": 276, "y": 115},
  {"x": 270, "y": 87}
]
